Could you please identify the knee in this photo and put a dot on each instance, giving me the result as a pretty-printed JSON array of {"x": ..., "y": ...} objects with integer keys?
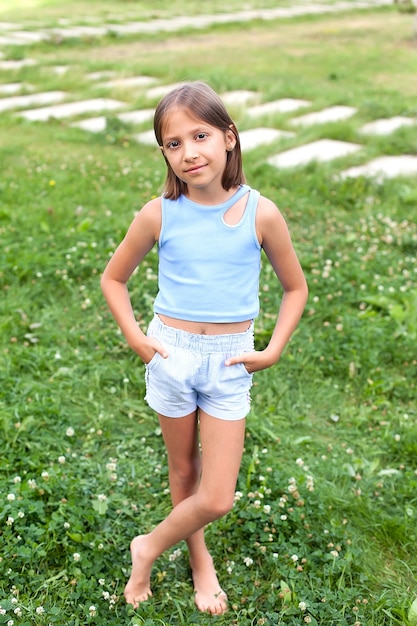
[
  {"x": 185, "y": 474},
  {"x": 216, "y": 505}
]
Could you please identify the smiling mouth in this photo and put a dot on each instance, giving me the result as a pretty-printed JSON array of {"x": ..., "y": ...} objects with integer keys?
[{"x": 194, "y": 169}]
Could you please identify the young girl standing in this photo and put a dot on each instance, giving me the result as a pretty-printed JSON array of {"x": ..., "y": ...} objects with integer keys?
[{"x": 199, "y": 353}]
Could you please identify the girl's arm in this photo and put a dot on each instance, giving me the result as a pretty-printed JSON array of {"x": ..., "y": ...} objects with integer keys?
[
  {"x": 275, "y": 239},
  {"x": 139, "y": 240}
]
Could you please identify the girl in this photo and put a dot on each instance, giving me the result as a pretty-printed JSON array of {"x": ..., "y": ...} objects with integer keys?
[{"x": 210, "y": 228}]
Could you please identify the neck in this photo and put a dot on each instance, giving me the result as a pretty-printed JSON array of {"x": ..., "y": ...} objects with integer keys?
[{"x": 210, "y": 196}]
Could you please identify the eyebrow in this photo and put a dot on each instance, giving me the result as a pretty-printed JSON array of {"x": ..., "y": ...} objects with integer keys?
[{"x": 194, "y": 131}]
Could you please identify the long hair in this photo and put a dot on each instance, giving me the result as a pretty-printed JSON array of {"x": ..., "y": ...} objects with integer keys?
[{"x": 204, "y": 104}]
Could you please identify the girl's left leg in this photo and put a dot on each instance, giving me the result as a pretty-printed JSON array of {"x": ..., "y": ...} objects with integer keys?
[
  {"x": 222, "y": 445},
  {"x": 184, "y": 463}
]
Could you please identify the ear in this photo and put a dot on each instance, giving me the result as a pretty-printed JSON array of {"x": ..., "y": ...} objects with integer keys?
[{"x": 230, "y": 140}]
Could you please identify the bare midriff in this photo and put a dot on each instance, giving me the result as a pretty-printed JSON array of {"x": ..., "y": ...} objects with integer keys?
[{"x": 206, "y": 328}]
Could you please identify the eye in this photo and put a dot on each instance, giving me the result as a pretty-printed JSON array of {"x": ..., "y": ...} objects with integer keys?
[
  {"x": 171, "y": 145},
  {"x": 201, "y": 136}
]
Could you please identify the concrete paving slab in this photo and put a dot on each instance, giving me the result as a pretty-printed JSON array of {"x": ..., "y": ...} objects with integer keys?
[
  {"x": 105, "y": 74},
  {"x": 10, "y": 88},
  {"x": 8, "y": 26},
  {"x": 60, "y": 70},
  {"x": 330, "y": 114},
  {"x": 9, "y": 40},
  {"x": 284, "y": 105},
  {"x": 321, "y": 150},
  {"x": 137, "y": 117},
  {"x": 78, "y": 32},
  {"x": 34, "y": 99},
  {"x": 239, "y": 97},
  {"x": 13, "y": 64},
  {"x": 387, "y": 126},
  {"x": 130, "y": 81},
  {"x": 92, "y": 124},
  {"x": 147, "y": 138},
  {"x": 255, "y": 137},
  {"x": 72, "y": 108},
  {"x": 98, "y": 124},
  {"x": 27, "y": 36},
  {"x": 160, "y": 92},
  {"x": 384, "y": 167}
]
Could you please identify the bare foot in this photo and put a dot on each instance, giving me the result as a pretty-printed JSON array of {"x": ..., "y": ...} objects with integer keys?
[
  {"x": 138, "y": 588},
  {"x": 209, "y": 596}
]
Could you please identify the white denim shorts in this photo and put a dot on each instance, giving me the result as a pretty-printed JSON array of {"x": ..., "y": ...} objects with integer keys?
[{"x": 194, "y": 375}]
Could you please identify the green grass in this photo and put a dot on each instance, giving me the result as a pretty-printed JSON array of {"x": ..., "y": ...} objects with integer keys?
[{"x": 326, "y": 507}]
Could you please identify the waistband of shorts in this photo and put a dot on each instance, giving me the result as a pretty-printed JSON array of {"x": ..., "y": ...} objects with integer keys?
[{"x": 234, "y": 342}]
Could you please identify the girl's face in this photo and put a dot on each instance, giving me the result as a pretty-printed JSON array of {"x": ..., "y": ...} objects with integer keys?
[{"x": 195, "y": 150}]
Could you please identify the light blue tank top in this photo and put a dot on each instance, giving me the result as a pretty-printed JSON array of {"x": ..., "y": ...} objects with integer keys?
[{"x": 208, "y": 269}]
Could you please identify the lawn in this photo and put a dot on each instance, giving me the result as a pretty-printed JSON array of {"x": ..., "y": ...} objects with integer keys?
[{"x": 323, "y": 530}]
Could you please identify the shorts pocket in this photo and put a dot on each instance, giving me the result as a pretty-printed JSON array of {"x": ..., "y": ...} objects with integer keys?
[
  {"x": 242, "y": 365},
  {"x": 154, "y": 360}
]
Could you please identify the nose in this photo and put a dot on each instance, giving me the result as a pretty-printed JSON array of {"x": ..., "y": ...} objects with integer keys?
[{"x": 190, "y": 153}]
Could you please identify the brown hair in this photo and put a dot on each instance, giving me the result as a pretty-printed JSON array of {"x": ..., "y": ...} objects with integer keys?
[{"x": 203, "y": 103}]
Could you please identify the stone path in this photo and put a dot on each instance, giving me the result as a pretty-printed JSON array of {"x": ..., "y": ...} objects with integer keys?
[
  {"x": 22, "y": 100},
  {"x": 12, "y": 34}
]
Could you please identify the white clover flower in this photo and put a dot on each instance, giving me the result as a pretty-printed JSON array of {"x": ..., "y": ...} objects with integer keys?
[
  {"x": 70, "y": 432},
  {"x": 45, "y": 475},
  {"x": 284, "y": 518},
  {"x": 2, "y": 611},
  {"x": 238, "y": 496},
  {"x": 92, "y": 610},
  {"x": 267, "y": 509},
  {"x": 175, "y": 555},
  {"x": 18, "y": 611},
  {"x": 21, "y": 515},
  {"x": 334, "y": 553},
  {"x": 294, "y": 558},
  {"x": 32, "y": 483},
  {"x": 76, "y": 556},
  {"x": 11, "y": 497},
  {"x": 10, "y": 622},
  {"x": 248, "y": 561},
  {"x": 101, "y": 581},
  {"x": 17, "y": 480},
  {"x": 61, "y": 460},
  {"x": 302, "y": 606},
  {"x": 67, "y": 525},
  {"x": 10, "y": 521},
  {"x": 299, "y": 462},
  {"x": 101, "y": 497},
  {"x": 40, "y": 610}
]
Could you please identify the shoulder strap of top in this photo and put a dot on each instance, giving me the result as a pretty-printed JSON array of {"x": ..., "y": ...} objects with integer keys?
[{"x": 236, "y": 196}]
